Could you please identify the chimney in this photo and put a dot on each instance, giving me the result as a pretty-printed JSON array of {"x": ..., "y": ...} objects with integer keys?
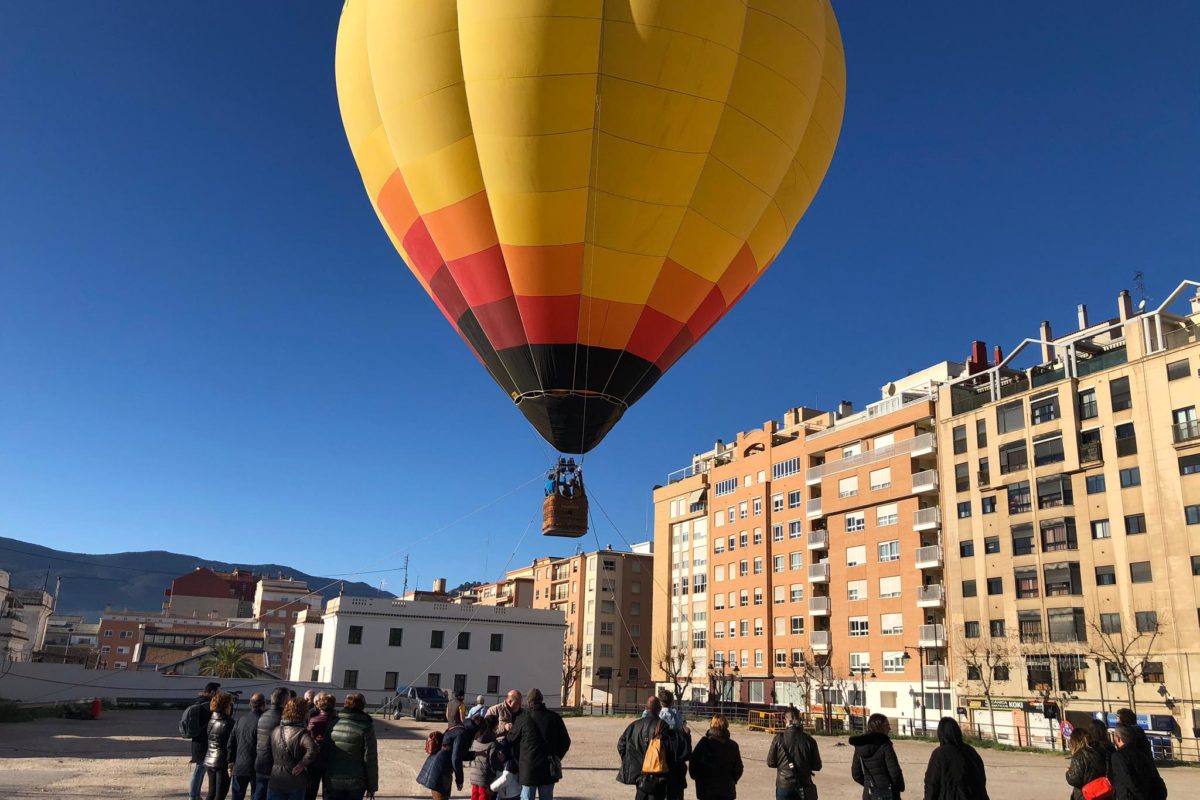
[
  {"x": 1081, "y": 312},
  {"x": 845, "y": 409},
  {"x": 1047, "y": 336},
  {"x": 978, "y": 359},
  {"x": 999, "y": 354},
  {"x": 1125, "y": 305},
  {"x": 439, "y": 585}
]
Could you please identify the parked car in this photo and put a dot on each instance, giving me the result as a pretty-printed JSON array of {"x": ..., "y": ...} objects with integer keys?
[{"x": 421, "y": 702}]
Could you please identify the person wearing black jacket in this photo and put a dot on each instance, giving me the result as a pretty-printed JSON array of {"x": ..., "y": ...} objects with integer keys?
[
  {"x": 195, "y": 722},
  {"x": 1087, "y": 763},
  {"x": 243, "y": 749},
  {"x": 874, "y": 765},
  {"x": 216, "y": 756},
  {"x": 1132, "y": 772},
  {"x": 542, "y": 741},
  {"x": 716, "y": 763},
  {"x": 1100, "y": 741},
  {"x": 263, "y": 758},
  {"x": 955, "y": 769},
  {"x": 795, "y": 757},
  {"x": 1126, "y": 718},
  {"x": 636, "y": 740}
]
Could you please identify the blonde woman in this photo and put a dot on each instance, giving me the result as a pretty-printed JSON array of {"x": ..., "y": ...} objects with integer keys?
[{"x": 716, "y": 764}]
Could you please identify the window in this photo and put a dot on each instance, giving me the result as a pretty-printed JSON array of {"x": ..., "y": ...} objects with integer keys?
[
  {"x": 1095, "y": 484},
  {"x": 606, "y": 650},
  {"x": 1106, "y": 576},
  {"x": 851, "y": 450},
  {"x": 959, "y": 435},
  {"x": 796, "y": 592},
  {"x": 1010, "y": 417},
  {"x": 436, "y": 639},
  {"x": 971, "y": 630},
  {"x": 727, "y": 486},
  {"x": 1048, "y": 449},
  {"x": 856, "y": 590},
  {"x": 1063, "y": 579},
  {"x": 1058, "y": 534},
  {"x": 988, "y": 504},
  {"x": 966, "y": 549},
  {"x": 889, "y": 551},
  {"x": 758, "y": 565},
  {"x": 779, "y": 563},
  {"x": 743, "y": 568},
  {"x": 1019, "y": 498},
  {"x": 1126, "y": 439},
  {"x": 1110, "y": 623},
  {"x": 757, "y": 507},
  {"x": 758, "y": 626},
  {"x": 991, "y": 544},
  {"x": 860, "y": 626},
  {"x": 1022, "y": 539},
  {"x": 1090, "y": 447},
  {"x": 1066, "y": 625},
  {"x": 758, "y": 597},
  {"x": 848, "y": 487},
  {"x": 794, "y": 498},
  {"x": 395, "y": 637},
  {"x": 777, "y": 532},
  {"x": 856, "y": 556},
  {"x": 318, "y": 641},
  {"x": 778, "y": 594},
  {"x": 719, "y": 545},
  {"x": 962, "y": 477},
  {"x": 889, "y": 586},
  {"x": 886, "y": 514},
  {"x": 744, "y": 628},
  {"x": 1191, "y": 515},
  {"x": 1013, "y": 457},
  {"x": 1146, "y": 621},
  {"x": 1100, "y": 529},
  {"x": 1029, "y": 627},
  {"x": 881, "y": 478},
  {"x": 785, "y": 468},
  {"x": 964, "y": 509},
  {"x": 797, "y": 625},
  {"x": 464, "y": 640},
  {"x": 744, "y": 598},
  {"x": 1152, "y": 672},
  {"x": 350, "y": 679},
  {"x": 758, "y": 536},
  {"x": 796, "y": 560},
  {"x": 980, "y": 433},
  {"x": 1177, "y": 370},
  {"x": 995, "y": 586},
  {"x": 891, "y": 624},
  {"x": 1118, "y": 392},
  {"x": 985, "y": 472},
  {"x": 856, "y": 521},
  {"x": 1055, "y": 491},
  {"x": 493, "y": 684},
  {"x": 1043, "y": 408},
  {"x": 795, "y": 531},
  {"x": 1189, "y": 465},
  {"x": 1087, "y": 404},
  {"x": 1140, "y": 572},
  {"x": 968, "y": 589},
  {"x": 1000, "y": 672},
  {"x": 1135, "y": 524},
  {"x": 973, "y": 672},
  {"x": 1026, "y": 579},
  {"x": 606, "y": 629},
  {"x": 354, "y": 635},
  {"x": 996, "y": 628},
  {"x": 777, "y": 502}
]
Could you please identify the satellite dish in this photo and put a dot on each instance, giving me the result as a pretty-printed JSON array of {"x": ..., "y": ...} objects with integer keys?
[
  {"x": 1142, "y": 304},
  {"x": 890, "y": 389}
]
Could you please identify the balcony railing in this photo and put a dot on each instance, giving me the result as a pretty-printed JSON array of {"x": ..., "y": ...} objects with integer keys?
[
  {"x": 929, "y": 557},
  {"x": 820, "y": 641},
  {"x": 918, "y": 445},
  {"x": 932, "y": 636},
  {"x": 1186, "y": 431},
  {"x": 934, "y": 673},
  {"x": 818, "y": 540},
  {"x": 812, "y": 508},
  {"x": 1090, "y": 452},
  {"x": 931, "y": 596},
  {"x": 926, "y": 481},
  {"x": 818, "y": 606},
  {"x": 927, "y": 518},
  {"x": 818, "y": 573}
]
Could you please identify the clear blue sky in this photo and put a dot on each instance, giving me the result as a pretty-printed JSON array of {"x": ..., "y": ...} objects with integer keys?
[{"x": 207, "y": 341}]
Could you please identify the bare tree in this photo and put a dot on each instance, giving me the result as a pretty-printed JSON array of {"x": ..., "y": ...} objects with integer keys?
[
  {"x": 572, "y": 667},
  {"x": 676, "y": 664},
  {"x": 1127, "y": 654},
  {"x": 982, "y": 657}
]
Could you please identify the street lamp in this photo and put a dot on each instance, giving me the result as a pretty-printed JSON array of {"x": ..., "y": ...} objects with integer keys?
[
  {"x": 1100, "y": 680},
  {"x": 862, "y": 690},
  {"x": 737, "y": 686},
  {"x": 921, "y": 661}
]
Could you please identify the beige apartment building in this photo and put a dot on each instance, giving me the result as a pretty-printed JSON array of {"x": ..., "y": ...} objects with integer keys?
[
  {"x": 606, "y": 600},
  {"x": 800, "y": 563},
  {"x": 1071, "y": 480}
]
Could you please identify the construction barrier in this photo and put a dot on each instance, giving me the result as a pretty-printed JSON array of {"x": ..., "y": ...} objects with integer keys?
[{"x": 769, "y": 721}]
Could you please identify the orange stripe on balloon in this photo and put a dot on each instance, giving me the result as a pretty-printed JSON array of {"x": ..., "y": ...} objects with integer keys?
[
  {"x": 482, "y": 277},
  {"x": 543, "y": 270},
  {"x": 607, "y": 323},
  {"x": 550, "y": 319},
  {"x": 653, "y": 333},
  {"x": 396, "y": 205},
  {"x": 738, "y": 276},
  {"x": 677, "y": 291},
  {"x": 463, "y": 228}
]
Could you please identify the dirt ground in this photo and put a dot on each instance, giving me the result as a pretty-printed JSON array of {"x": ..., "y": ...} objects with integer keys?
[{"x": 137, "y": 754}]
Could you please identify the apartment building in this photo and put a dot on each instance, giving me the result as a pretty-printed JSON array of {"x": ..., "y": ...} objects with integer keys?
[
  {"x": 121, "y": 634},
  {"x": 209, "y": 594},
  {"x": 14, "y": 634},
  {"x": 1071, "y": 477},
  {"x": 278, "y": 603}
]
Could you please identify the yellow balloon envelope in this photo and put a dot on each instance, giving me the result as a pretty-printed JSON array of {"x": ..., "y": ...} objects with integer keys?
[{"x": 584, "y": 187}]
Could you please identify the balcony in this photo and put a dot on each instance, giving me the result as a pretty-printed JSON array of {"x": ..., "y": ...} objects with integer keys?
[
  {"x": 1185, "y": 431},
  {"x": 818, "y": 540},
  {"x": 1090, "y": 452},
  {"x": 934, "y": 673},
  {"x": 925, "y": 482},
  {"x": 917, "y": 446},
  {"x": 929, "y": 557},
  {"x": 931, "y": 596},
  {"x": 932, "y": 636},
  {"x": 820, "y": 641},
  {"x": 13, "y": 628},
  {"x": 812, "y": 508},
  {"x": 927, "y": 519},
  {"x": 818, "y": 573},
  {"x": 818, "y": 606}
]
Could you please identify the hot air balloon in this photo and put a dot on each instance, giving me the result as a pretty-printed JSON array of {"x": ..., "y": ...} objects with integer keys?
[{"x": 584, "y": 187}]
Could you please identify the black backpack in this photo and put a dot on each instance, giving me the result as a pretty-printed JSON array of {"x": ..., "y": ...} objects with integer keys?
[{"x": 194, "y": 722}]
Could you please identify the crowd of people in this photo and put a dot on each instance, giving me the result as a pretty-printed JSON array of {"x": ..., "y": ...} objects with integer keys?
[
  {"x": 291, "y": 748},
  {"x": 514, "y": 749}
]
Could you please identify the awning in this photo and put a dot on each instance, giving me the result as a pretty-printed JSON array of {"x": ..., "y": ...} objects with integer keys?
[{"x": 697, "y": 496}]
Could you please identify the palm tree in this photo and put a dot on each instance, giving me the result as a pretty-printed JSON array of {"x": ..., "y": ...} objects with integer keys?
[{"x": 228, "y": 660}]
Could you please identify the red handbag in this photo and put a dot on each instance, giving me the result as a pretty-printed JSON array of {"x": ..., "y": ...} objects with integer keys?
[{"x": 1099, "y": 789}]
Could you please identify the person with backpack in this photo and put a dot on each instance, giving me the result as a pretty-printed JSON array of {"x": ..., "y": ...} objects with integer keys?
[
  {"x": 446, "y": 751},
  {"x": 1132, "y": 773},
  {"x": 353, "y": 767},
  {"x": 193, "y": 725},
  {"x": 716, "y": 763},
  {"x": 243, "y": 743},
  {"x": 649, "y": 749},
  {"x": 955, "y": 770},
  {"x": 874, "y": 765},
  {"x": 292, "y": 750},
  {"x": 541, "y": 739},
  {"x": 263, "y": 757},
  {"x": 795, "y": 757},
  {"x": 216, "y": 756},
  {"x": 321, "y": 719},
  {"x": 1087, "y": 764}
]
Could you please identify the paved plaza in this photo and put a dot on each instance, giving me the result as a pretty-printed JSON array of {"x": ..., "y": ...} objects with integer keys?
[{"x": 136, "y": 754}]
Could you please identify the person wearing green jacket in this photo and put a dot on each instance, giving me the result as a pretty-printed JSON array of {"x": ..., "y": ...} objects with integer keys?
[{"x": 353, "y": 767}]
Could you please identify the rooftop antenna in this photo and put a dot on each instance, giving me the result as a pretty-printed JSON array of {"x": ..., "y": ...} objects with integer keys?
[
  {"x": 404, "y": 591},
  {"x": 1139, "y": 283}
]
